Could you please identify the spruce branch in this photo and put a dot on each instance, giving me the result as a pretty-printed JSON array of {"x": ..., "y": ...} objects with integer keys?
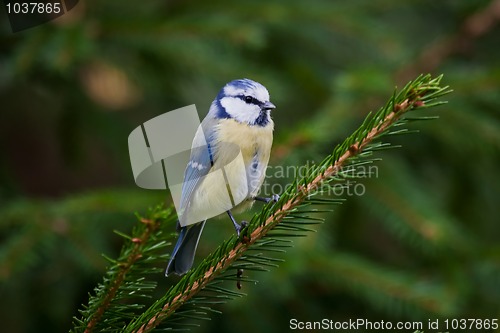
[
  {"x": 124, "y": 267},
  {"x": 121, "y": 280},
  {"x": 291, "y": 214}
]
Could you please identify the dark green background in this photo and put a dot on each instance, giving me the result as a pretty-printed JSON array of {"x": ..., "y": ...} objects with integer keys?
[{"x": 422, "y": 242}]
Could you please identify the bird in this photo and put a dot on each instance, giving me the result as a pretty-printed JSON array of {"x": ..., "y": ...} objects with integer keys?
[{"x": 238, "y": 122}]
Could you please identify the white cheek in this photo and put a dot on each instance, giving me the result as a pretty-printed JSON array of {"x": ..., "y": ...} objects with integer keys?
[{"x": 239, "y": 110}]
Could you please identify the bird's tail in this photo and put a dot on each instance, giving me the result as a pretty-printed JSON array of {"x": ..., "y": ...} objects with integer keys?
[{"x": 182, "y": 256}]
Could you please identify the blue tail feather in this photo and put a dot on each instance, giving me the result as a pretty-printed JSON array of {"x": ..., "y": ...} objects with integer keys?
[{"x": 184, "y": 250}]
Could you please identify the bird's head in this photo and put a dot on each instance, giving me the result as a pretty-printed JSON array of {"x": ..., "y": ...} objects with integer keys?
[{"x": 245, "y": 101}]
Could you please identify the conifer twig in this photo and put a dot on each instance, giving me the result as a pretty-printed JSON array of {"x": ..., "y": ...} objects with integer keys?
[
  {"x": 417, "y": 94},
  {"x": 125, "y": 266}
]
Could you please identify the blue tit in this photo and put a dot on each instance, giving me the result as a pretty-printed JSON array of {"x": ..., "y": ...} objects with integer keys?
[{"x": 240, "y": 116}]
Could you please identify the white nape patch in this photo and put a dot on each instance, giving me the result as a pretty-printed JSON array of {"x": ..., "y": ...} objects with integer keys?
[{"x": 239, "y": 110}]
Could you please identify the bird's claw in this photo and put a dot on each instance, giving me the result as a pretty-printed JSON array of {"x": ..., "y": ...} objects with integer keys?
[
  {"x": 245, "y": 239},
  {"x": 273, "y": 198},
  {"x": 241, "y": 226}
]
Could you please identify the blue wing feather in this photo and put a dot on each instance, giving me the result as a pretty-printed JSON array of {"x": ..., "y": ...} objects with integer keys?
[{"x": 200, "y": 163}]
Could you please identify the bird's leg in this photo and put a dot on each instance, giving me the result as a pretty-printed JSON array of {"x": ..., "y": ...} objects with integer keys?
[
  {"x": 237, "y": 227},
  {"x": 273, "y": 198}
]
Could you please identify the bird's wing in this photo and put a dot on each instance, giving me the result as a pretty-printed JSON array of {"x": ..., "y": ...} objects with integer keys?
[{"x": 200, "y": 161}]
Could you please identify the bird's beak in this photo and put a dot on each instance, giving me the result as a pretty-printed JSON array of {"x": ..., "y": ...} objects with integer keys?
[{"x": 268, "y": 106}]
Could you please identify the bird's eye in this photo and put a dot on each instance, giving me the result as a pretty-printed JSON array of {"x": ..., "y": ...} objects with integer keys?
[{"x": 248, "y": 99}]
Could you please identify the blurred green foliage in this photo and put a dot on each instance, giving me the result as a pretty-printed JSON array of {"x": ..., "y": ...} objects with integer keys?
[{"x": 422, "y": 242}]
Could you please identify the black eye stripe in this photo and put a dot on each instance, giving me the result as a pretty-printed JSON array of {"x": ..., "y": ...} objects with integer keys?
[{"x": 249, "y": 100}]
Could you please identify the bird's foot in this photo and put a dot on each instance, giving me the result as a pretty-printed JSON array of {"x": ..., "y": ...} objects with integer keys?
[
  {"x": 243, "y": 232},
  {"x": 273, "y": 198},
  {"x": 240, "y": 227}
]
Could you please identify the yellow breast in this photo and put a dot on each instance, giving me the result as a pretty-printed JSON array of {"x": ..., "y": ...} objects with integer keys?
[
  {"x": 254, "y": 142},
  {"x": 250, "y": 139}
]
